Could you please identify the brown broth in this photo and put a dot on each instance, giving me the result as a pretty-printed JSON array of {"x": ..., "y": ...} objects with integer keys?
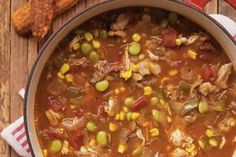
[{"x": 92, "y": 101}]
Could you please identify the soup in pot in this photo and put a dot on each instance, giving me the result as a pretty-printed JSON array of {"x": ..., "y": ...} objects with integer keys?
[{"x": 137, "y": 82}]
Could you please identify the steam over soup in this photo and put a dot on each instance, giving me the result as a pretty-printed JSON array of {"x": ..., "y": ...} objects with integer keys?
[{"x": 137, "y": 82}]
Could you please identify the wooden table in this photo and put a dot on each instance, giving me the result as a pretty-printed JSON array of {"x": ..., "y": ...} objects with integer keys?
[{"x": 17, "y": 54}]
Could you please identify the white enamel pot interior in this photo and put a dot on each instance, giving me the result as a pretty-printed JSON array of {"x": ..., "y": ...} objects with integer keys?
[{"x": 198, "y": 17}]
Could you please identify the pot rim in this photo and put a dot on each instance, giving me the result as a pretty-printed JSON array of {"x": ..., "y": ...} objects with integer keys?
[{"x": 54, "y": 34}]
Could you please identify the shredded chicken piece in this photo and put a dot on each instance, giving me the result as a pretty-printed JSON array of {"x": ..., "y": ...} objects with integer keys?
[
  {"x": 153, "y": 56},
  {"x": 223, "y": 75},
  {"x": 73, "y": 123},
  {"x": 112, "y": 106},
  {"x": 226, "y": 124},
  {"x": 53, "y": 117},
  {"x": 121, "y": 22},
  {"x": 126, "y": 61},
  {"x": 127, "y": 66},
  {"x": 207, "y": 88},
  {"x": 144, "y": 68},
  {"x": 103, "y": 68},
  {"x": 223, "y": 141},
  {"x": 179, "y": 138},
  {"x": 93, "y": 151},
  {"x": 147, "y": 67},
  {"x": 178, "y": 152},
  {"x": 65, "y": 148},
  {"x": 117, "y": 33},
  {"x": 84, "y": 62},
  {"x": 196, "y": 84},
  {"x": 154, "y": 68},
  {"x": 193, "y": 38},
  {"x": 171, "y": 92},
  {"x": 146, "y": 21}
]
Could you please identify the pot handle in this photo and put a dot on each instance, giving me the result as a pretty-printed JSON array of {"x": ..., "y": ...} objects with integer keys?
[{"x": 200, "y": 4}]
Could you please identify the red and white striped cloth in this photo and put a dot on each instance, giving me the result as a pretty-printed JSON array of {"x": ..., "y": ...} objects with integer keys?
[{"x": 15, "y": 134}]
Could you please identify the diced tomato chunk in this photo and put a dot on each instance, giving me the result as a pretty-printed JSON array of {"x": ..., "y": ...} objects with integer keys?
[
  {"x": 206, "y": 72},
  {"x": 169, "y": 36},
  {"x": 140, "y": 103},
  {"x": 54, "y": 104},
  {"x": 52, "y": 132},
  {"x": 80, "y": 113},
  {"x": 76, "y": 140}
]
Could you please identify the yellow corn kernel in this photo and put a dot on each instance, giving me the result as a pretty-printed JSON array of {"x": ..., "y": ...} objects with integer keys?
[
  {"x": 45, "y": 152},
  {"x": 122, "y": 148},
  {"x": 75, "y": 46},
  {"x": 117, "y": 91},
  {"x": 136, "y": 37},
  {"x": 60, "y": 75},
  {"x": 201, "y": 144},
  {"x": 128, "y": 115},
  {"x": 135, "y": 67},
  {"x": 213, "y": 142},
  {"x": 92, "y": 142},
  {"x": 178, "y": 42},
  {"x": 64, "y": 68},
  {"x": 173, "y": 72},
  {"x": 125, "y": 109},
  {"x": 147, "y": 90},
  {"x": 162, "y": 101},
  {"x": 122, "y": 89},
  {"x": 209, "y": 133},
  {"x": 113, "y": 126},
  {"x": 126, "y": 74},
  {"x": 69, "y": 78},
  {"x": 191, "y": 148},
  {"x": 135, "y": 115},
  {"x": 192, "y": 54},
  {"x": 154, "y": 132},
  {"x": 117, "y": 116},
  {"x": 122, "y": 115},
  {"x": 88, "y": 36},
  {"x": 96, "y": 44},
  {"x": 164, "y": 80}
]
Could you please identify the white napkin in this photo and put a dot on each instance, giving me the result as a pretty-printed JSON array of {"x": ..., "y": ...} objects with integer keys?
[{"x": 15, "y": 135}]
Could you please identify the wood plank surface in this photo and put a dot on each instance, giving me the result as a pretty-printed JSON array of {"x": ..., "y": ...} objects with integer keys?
[
  {"x": 5, "y": 116},
  {"x": 18, "y": 69},
  {"x": 226, "y": 9},
  {"x": 17, "y": 55}
]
